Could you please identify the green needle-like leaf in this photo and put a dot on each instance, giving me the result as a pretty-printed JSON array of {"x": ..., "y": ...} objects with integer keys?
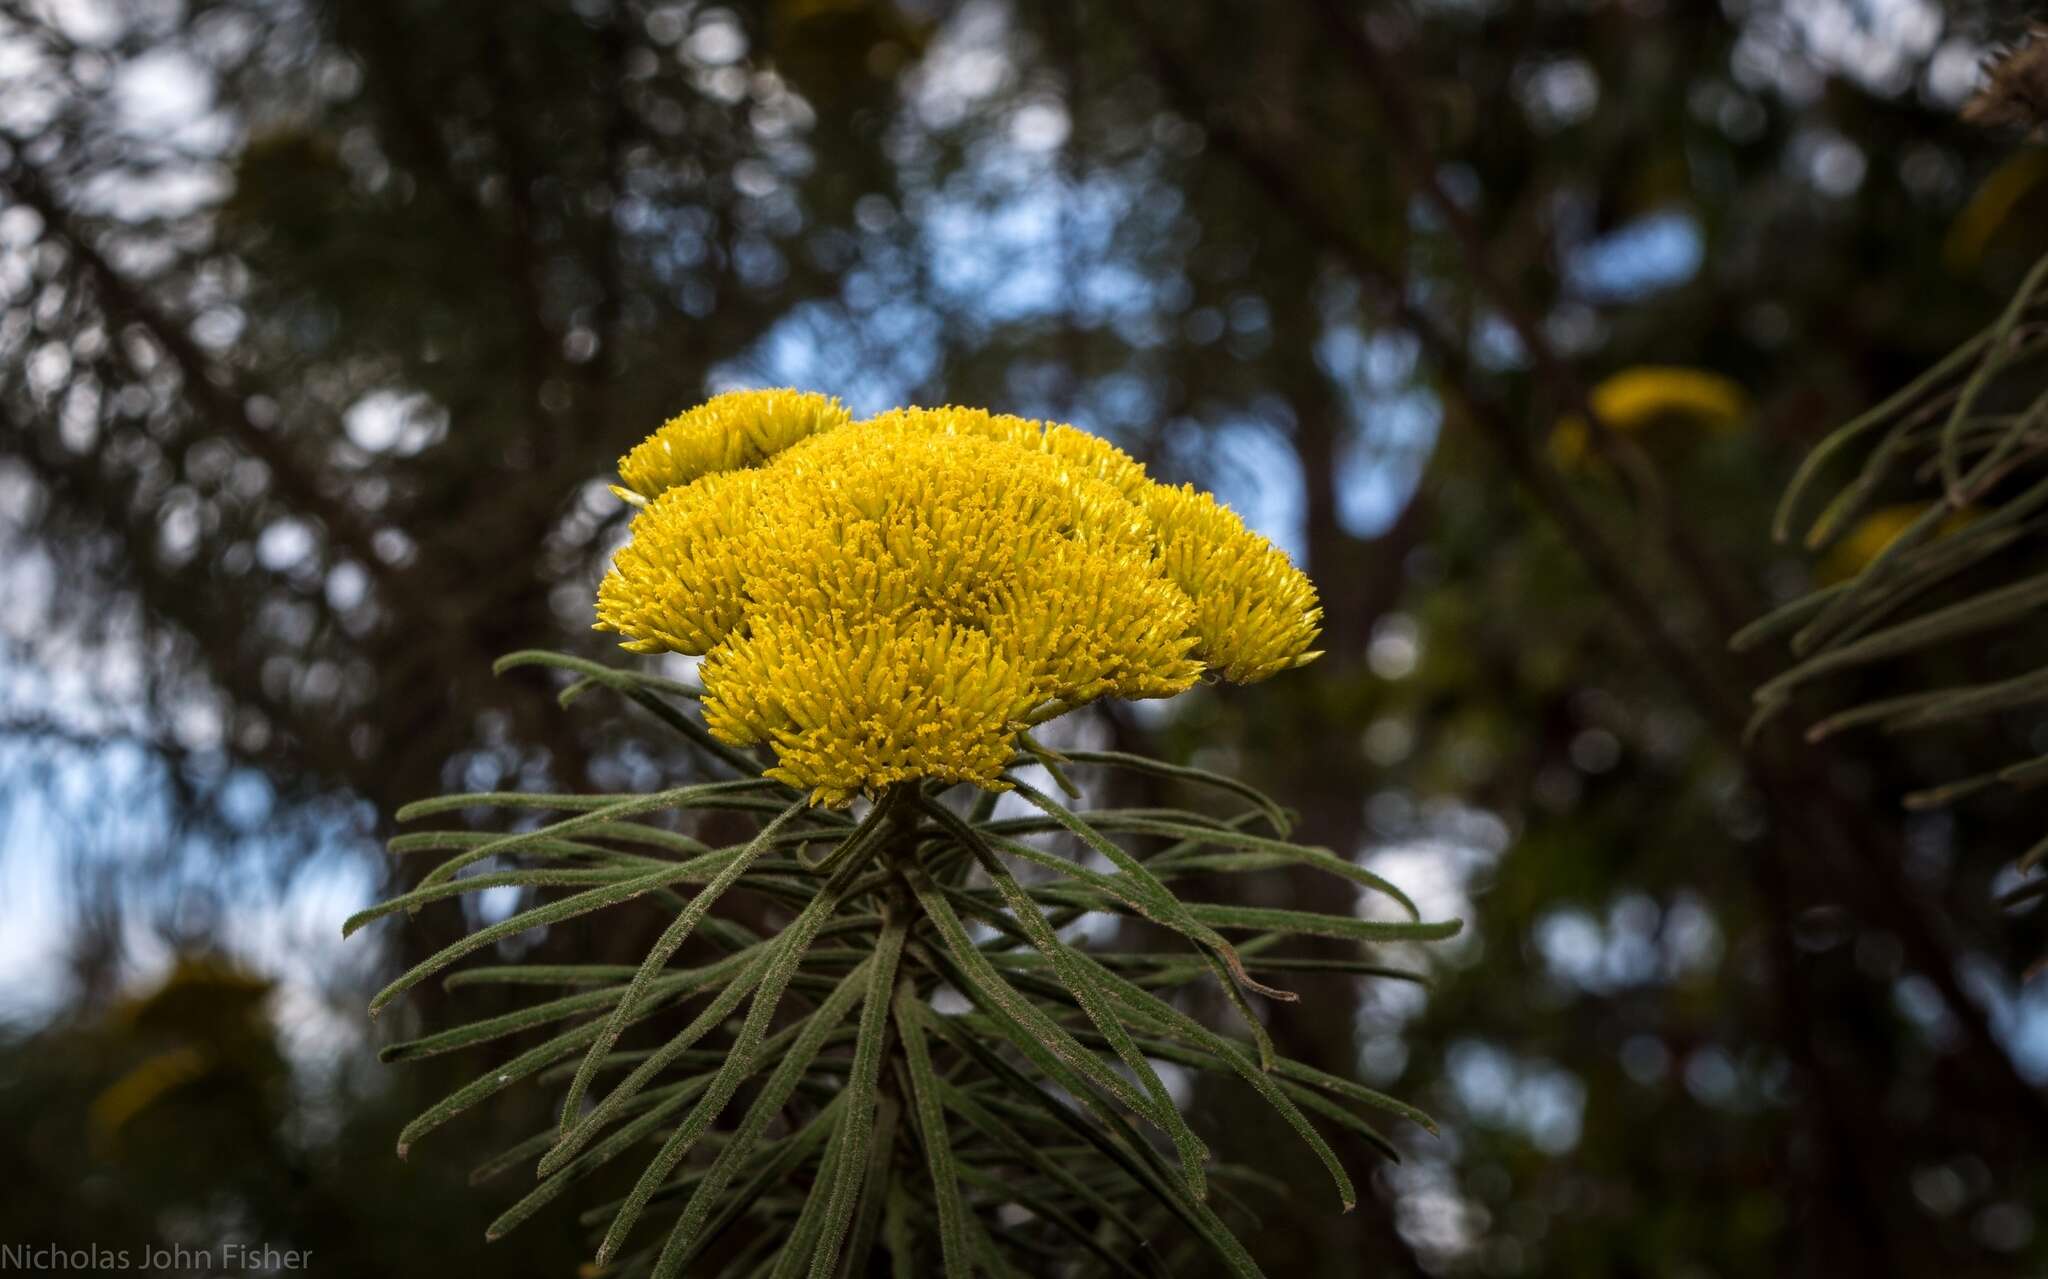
[
  {"x": 783, "y": 955},
  {"x": 1022, "y": 1012},
  {"x": 1151, "y": 1008},
  {"x": 1275, "y": 816},
  {"x": 690, "y": 1236},
  {"x": 671, "y": 940},
  {"x": 551, "y": 913},
  {"x": 1025, "y": 1152},
  {"x": 931, "y": 1130},
  {"x": 1171, "y": 911},
  {"x": 876, "y": 1183},
  {"x": 860, "y": 1092},
  {"x": 1076, "y": 977}
]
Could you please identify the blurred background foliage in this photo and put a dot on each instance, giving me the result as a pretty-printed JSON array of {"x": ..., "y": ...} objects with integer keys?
[{"x": 321, "y": 325}]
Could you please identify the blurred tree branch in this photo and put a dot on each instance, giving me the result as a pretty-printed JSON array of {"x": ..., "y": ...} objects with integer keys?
[
  {"x": 215, "y": 390},
  {"x": 1862, "y": 855}
]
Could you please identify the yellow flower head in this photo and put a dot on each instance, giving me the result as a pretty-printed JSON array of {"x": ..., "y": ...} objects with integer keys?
[
  {"x": 1255, "y": 613},
  {"x": 1634, "y": 398},
  {"x": 855, "y": 705},
  {"x": 1640, "y": 397},
  {"x": 1991, "y": 209},
  {"x": 898, "y": 598},
  {"x": 680, "y": 584},
  {"x": 1875, "y": 533},
  {"x": 727, "y": 432}
]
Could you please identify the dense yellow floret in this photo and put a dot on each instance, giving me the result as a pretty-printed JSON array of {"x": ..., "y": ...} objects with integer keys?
[
  {"x": 898, "y": 598},
  {"x": 852, "y": 706},
  {"x": 725, "y": 433},
  {"x": 680, "y": 584},
  {"x": 1255, "y": 613},
  {"x": 1089, "y": 455}
]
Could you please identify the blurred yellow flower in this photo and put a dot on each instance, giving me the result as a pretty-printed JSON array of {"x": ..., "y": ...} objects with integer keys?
[
  {"x": 1991, "y": 207},
  {"x": 899, "y": 597},
  {"x": 212, "y": 1013},
  {"x": 1875, "y": 533},
  {"x": 143, "y": 1087},
  {"x": 1642, "y": 396}
]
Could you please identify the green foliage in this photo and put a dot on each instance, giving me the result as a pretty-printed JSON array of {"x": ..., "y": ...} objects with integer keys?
[
  {"x": 1961, "y": 456},
  {"x": 921, "y": 1037}
]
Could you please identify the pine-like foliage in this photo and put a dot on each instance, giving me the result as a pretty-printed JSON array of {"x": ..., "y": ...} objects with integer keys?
[
  {"x": 921, "y": 1071},
  {"x": 1946, "y": 523}
]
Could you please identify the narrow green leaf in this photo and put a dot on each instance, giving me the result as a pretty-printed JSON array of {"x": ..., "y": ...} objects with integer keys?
[
  {"x": 932, "y": 1135},
  {"x": 1315, "y": 1101},
  {"x": 876, "y": 1183},
  {"x": 2019, "y": 775},
  {"x": 1275, "y": 816},
  {"x": 1921, "y": 558},
  {"x": 1786, "y": 617},
  {"x": 539, "y": 975},
  {"x": 802, "y": 1240},
  {"x": 551, "y": 913},
  {"x": 984, "y": 1250},
  {"x": 1151, "y": 1008},
  {"x": 511, "y": 1157},
  {"x": 1032, "y": 1156},
  {"x": 1281, "y": 853},
  {"x": 1959, "y": 489},
  {"x": 504, "y": 1076},
  {"x": 547, "y": 878},
  {"x": 1840, "y": 438},
  {"x": 656, "y": 1112},
  {"x": 784, "y": 954},
  {"x": 522, "y": 841},
  {"x": 777, "y": 1170},
  {"x": 861, "y": 1096},
  {"x": 1979, "y": 613},
  {"x": 1108, "y": 1133},
  {"x": 611, "y": 675},
  {"x": 1050, "y": 1212},
  {"x": 689, "y": 1235},
  {"x": 670, "y": 941},
  {"x": 983, "y": 977},
  {"x": 433, "y": 841},
  {"x": 576, "y": 802},
  {"x": 641, "y": 690},
  {"x": 709, "y": 1019},
  {"x": 898, "y": 1234},
  {"x": 511, "y": 1023},
  {"x": 1171, "y": 911},
  {"x": 1311, "y": 923},
  {"x": 1073, "y": 974}
]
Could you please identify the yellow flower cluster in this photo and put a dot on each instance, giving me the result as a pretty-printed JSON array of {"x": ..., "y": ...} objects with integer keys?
[{"x": 899, "y": 597}]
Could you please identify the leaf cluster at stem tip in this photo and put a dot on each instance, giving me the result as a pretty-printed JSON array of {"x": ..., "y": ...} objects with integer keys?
[{"x": 872, "y": 1033}]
